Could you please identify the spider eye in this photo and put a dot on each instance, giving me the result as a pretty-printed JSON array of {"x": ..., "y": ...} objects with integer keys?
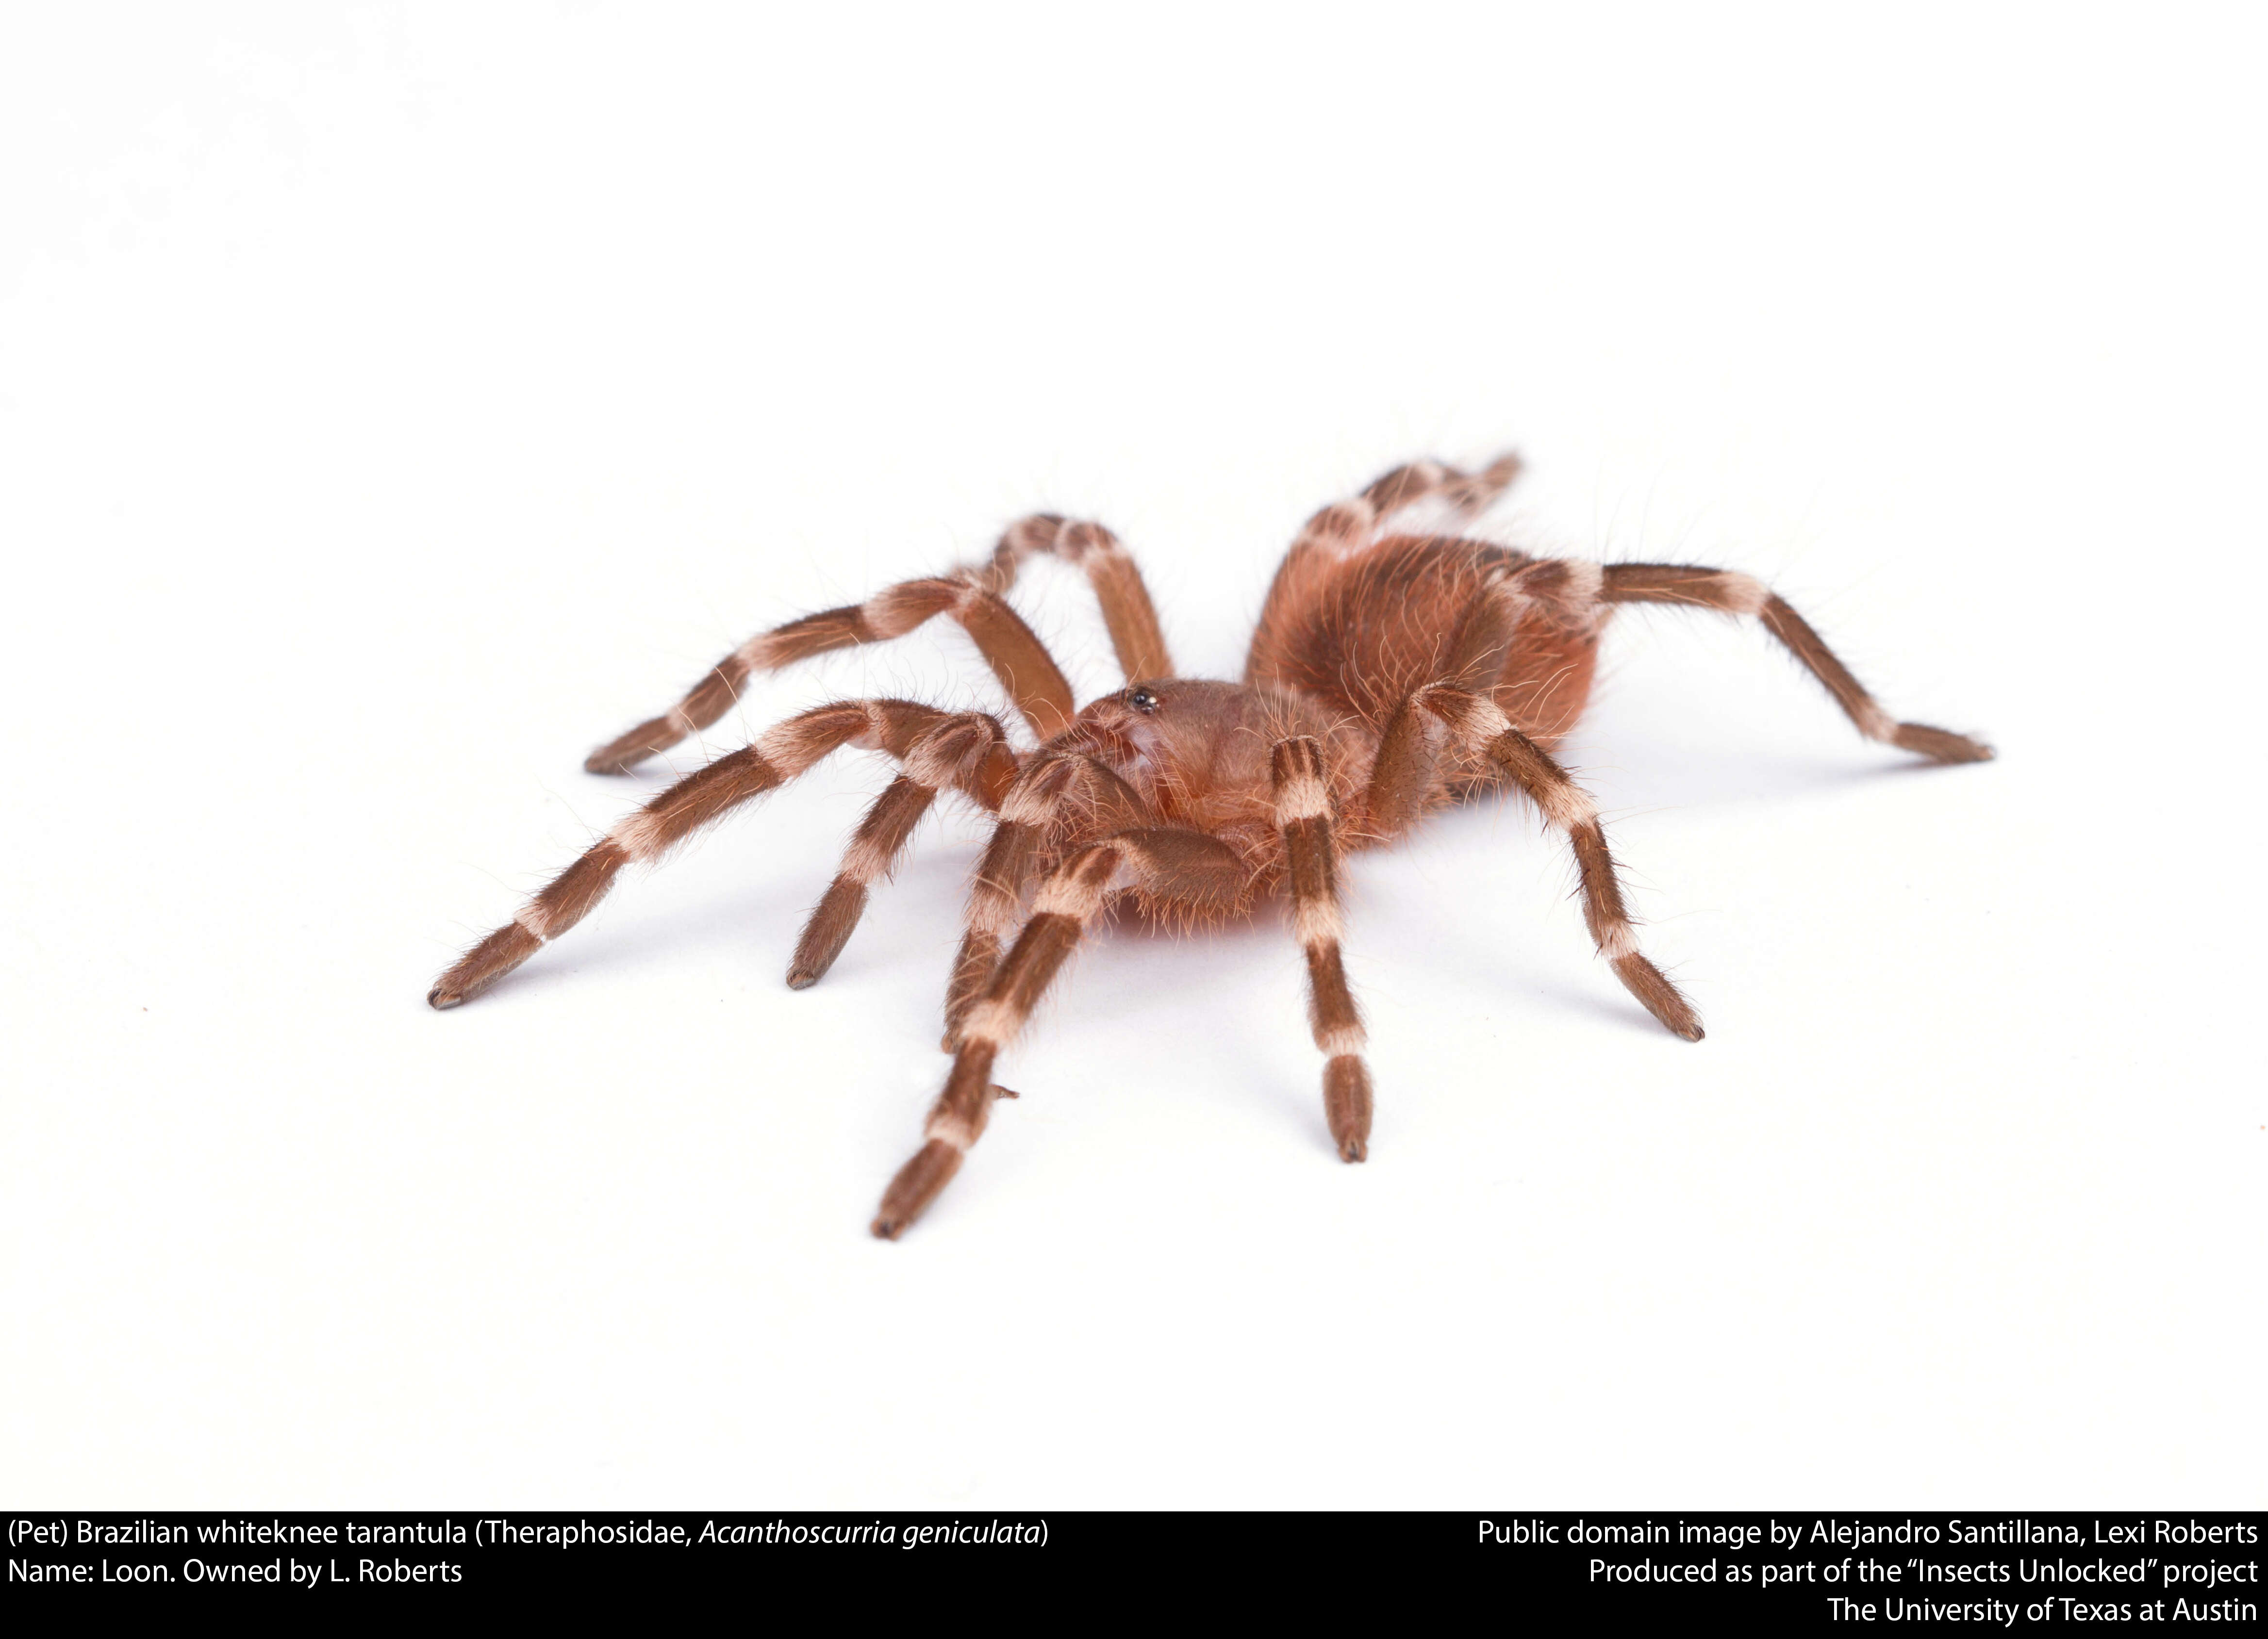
[{"x": 1142, "y": 700}]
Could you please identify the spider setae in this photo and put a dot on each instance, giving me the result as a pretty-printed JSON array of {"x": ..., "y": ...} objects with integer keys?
[{"x": 1391, "y": 673}]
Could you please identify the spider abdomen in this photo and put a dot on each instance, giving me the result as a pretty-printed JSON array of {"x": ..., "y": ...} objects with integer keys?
[{"x": 1361, "y": 631}]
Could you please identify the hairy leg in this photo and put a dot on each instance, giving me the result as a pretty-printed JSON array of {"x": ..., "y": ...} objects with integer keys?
[
  {"x": 967, "y": 753},
  {"x": 1443, "y": 716},
  {"x": 1054, "y": 794},
  {"x": 1466, "y": 492},
  {"x": 973, "y": 597},
  {"x": 1165, "y": 862},
  {"x": 1475, "y": 659},
  {"x": 1127, "y": 611},
  {"x": 1303, "y": 817},
  {"x": 1017, "y": 657},
  {"x": 1476, "y": 721},
  {"x": 779, "y": 756},
  {"x": 1735, "y": 593}
]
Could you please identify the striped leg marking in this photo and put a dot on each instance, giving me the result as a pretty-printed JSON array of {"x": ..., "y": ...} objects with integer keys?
[
  {"x": 1055, "y": 793},
  {"x": 1068, "y": 901},
  {"x": 779, "y": 756},
  {"x": 1169, "y": 862},
  {"x": 1466, "y": 492},
  {"x": 1015, "y": 654},
  {"x": 1303, "y": 817},
  {"x": 1477, "y": 722},
  {"x": 1735, "y": 593},
  {"x": 973, "y": 597},
  {"x": 1127, "y": 611},
  {"x": 968, "y": 753}
]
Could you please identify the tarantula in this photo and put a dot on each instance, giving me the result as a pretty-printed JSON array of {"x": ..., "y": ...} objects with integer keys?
[{"x": 1391, "y": 673}]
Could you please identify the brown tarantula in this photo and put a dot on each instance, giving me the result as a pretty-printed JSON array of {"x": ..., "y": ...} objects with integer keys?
[{"x": 1391, "y": 673}]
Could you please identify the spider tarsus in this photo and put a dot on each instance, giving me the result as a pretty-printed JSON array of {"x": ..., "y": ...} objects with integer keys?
[
  {"x": 625, "y": 753},
  {"x": 1648, "y": 983},
  {"x": 828, "y": 931},
  {"x": 445, "y": 995},
  {"x": 916, "y": 1185},
  {"x": 483, "y": 966},
  {"x": 1347, "y": 1104},
  {"x": 1940, "y": 745}
]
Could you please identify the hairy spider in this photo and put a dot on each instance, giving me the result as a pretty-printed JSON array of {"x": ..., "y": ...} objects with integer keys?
[{"x": 1390, "y": 674}]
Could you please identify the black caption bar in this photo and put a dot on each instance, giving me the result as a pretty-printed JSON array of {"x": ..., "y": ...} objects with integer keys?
[{"x": 1795, "y": 1571}]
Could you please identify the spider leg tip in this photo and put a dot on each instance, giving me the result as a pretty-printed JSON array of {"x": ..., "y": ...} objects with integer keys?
[
  {"x": 1966, "y": 749},
  {"x": 801, "y": 979},
  {"x": 441, "y": 1001},
  {"x": 887, "y": 1229},
  {"x": 1942, "y": 745}
]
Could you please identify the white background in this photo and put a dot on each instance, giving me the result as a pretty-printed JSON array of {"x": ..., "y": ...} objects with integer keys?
[{"x": 396, "y": 401}]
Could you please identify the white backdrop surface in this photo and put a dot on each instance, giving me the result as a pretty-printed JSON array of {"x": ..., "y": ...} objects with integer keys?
[{"x": 396, "y": 401}]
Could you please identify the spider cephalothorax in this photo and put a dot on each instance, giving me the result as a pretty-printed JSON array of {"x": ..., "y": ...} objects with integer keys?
[{"x": 1391, "y": 673}]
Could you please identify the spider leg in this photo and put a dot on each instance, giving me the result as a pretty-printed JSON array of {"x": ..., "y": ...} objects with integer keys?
[
  {"x": 1735, "y": 593},
  {"x": 1466, "y": 492},
  {"x": 1303, "y": 816},
  {"x": 1014, "y": 652},
  {"x": 777, "y": 756},
  {"x": 1403, "y": 775},
  {"x": 996, "y": 892},
  {"x": 1127, "y": 611},
  {"x": 1055, "y": 791},
  {"x": 967, "y": 753},
  {"x": 1346, "y": 527},
  {"x": 1165, "y": 862},
  {"x": 975, "y": 597},
  {"x": 1479, "y": 724}
]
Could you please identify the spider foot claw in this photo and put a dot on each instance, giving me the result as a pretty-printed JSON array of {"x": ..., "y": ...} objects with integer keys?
[
  {"x": 483, "y": 966},
  {"x": 1651, "y": 986},
  {"x": 918, "y": 1184},
  {"x": 1940, "y": 745},
  {"x": 622, "y": 754},
  {"x": 1347, "y": 1105}
]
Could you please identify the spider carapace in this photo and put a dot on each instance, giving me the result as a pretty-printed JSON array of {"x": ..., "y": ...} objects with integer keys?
[{"x": 1393, "y": 670}]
